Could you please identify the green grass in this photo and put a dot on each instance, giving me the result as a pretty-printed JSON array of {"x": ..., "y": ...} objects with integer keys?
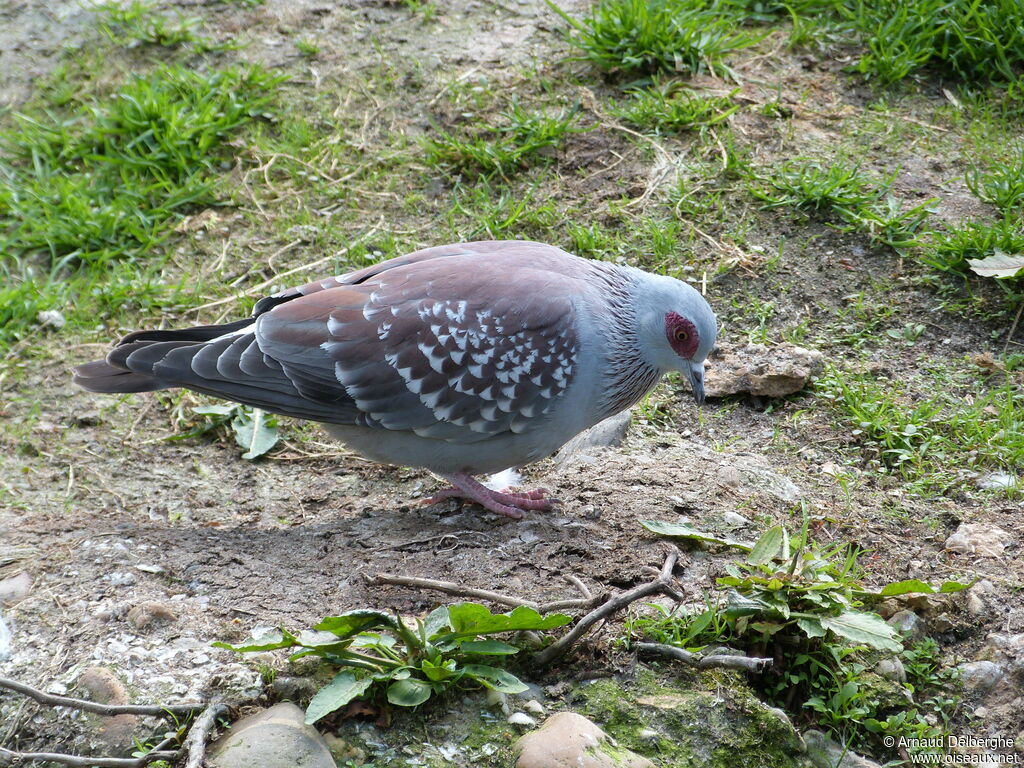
[
  {"x": 141, "y": 23},
  {"x": 1000, "y": 183},
  {"x": 667, "y": 107},
  {"x": 515, "y": 143},
  {"x": 949, "y": 251},
  {"x": 645, "y": 37},
  {"x": 107, "y": 181},
  {"x": 812, "y": 185},
  {"x": 934, "y": 442},
  {"x": 973, "y": 40}
]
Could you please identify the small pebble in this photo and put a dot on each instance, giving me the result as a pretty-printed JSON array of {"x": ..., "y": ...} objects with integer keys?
[{"x": 521, "y": 718}]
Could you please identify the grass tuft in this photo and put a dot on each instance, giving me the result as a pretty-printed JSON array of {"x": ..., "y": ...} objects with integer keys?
[
  {"x": 501, "y": 149},
  {"x": 107, "y": 181},
  {"x": 973, "y": 40},
  {"x": 645, "y": 37},
  {"x": 666, "y": 107}
]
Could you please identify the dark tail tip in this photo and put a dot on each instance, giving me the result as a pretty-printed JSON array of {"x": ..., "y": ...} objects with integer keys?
[{"x": 101, "y": 376}]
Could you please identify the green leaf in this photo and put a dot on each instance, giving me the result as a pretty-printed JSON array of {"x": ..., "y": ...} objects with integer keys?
[
  {"x": 497, "y": 679},
  {"x": 352, "y": 622},
  {"x": 409, "y": 693},
  {"x": 768, "y": 547},
  {"x": 254, "y": 432},
  {"x": 267, "y": 641},
  {"x": 336, "y": 694},
  {"x": 475, "y": 619},
  {"x": 684, "y": 531},
  {"x": 436, "y": 621},
  {"x": 906, "y": 588},
  {"x": 438, "y": 672},
  {"x": 955, "y": 586},
  {"x": 811, "y": 627},
  {"x": 866, "y": 628},
  {"x": 488, "y": 647}
]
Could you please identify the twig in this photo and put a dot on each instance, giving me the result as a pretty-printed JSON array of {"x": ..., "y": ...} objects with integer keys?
[
  {"x": 450, "y": 588},
  {"x": 12, "y": 758},
  {"x": 1013, "y": 328},
  {"x": 663, "y": 584},
  {"x": 52, "y": 700},
  {"x": 748, "y": 663},
  {"x": 195, "y": 742}
]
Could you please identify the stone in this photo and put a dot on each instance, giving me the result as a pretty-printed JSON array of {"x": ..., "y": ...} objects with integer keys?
[
  {"x": 15, "y": 588},
  {"x": 978, "y": 539},
  {"x": 150, "y": 614},
  {"x": 115, "y": 732},
  {"x": 294, "y": 688},
  {"x": 997, "y": 481},
  {"x": 521, "y": 718},
  {"x": 825, "y": 753},
  {"x": 272, "y": 738},
  {"x": 908, "y": 624},
  {"x": 5, "y": 639},
  {"x": 569, "y": 740},
  {"x": 734, "y": 519},
  {"x": 943, "y": 622},
  {"x": 980, "y": 676},
  {"x": 891, "y": 669},
  {"x": 760, "y": 370},
  {"x": 975, "y": 604},
  {"x": 605, "y": 434}
]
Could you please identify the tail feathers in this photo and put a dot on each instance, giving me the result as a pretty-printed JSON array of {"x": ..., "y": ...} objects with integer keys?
[
  {"x": 198, "y": 333},
  {"x": 146, "y": 348},
  {"x": 101, "y": 376},
  {"x": 231, "y": 368}
]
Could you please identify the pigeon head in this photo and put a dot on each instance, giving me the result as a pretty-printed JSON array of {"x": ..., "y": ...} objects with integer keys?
[{"x": 681, "y": 330}]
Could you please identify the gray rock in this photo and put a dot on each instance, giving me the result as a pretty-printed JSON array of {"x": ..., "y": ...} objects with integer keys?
[
  {"x": 734, "y": 519},
  {"x": 15, "y": 588},
  {"x": 760, "y": 370},
  {"x": 980, "y": 676},
  {"x": 273, "y": 738},
  {"x": 568, "y": 740},
  {"x": 943, "y": 622},
  {"x": 997, "y": 481},
  {"x": 891, "y": 669},
  {"x": 908, "y": 624},
  {"x": 605, "y": 434},
  {"x": 978, "y": 539},
  {"x": 825, "y": 753},
  {"x": 294, "y": 688},
  {"x": 5, "y": 639}
]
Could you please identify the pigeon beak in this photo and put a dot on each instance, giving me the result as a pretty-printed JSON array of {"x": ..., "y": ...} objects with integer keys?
[{"x": 695, "y": 373}]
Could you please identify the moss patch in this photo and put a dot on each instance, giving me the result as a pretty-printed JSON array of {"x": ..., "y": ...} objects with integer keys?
[{"x": 712, "y": 719}]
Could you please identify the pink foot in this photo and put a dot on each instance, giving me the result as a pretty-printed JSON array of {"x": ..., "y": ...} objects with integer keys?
[{"x": 507, "y": 503}]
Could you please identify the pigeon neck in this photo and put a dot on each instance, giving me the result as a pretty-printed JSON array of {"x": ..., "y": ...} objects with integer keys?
[{"x": 629, "y": 374}]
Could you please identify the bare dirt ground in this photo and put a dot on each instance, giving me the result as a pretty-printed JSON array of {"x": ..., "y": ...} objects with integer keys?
[{"x": 104, "y": 514}]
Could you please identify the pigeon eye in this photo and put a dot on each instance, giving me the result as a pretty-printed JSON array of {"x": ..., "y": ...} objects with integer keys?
[{"x": 681, "y": 335}]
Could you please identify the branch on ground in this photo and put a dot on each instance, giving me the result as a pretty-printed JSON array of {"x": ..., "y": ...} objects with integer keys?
[
  {"x": 194, "y": 745},
  {"x": 662, "y": 583},
  {"x": 721, "y": 661}
]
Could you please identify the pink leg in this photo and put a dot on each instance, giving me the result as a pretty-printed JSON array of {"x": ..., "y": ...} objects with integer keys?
[{"x": 502, "y": 503}]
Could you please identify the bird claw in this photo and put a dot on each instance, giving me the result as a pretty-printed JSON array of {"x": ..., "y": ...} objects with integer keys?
[{"x": 506, "y": 502}]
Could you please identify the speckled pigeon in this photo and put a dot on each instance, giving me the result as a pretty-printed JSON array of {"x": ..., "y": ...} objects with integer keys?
[{"x": 463, "y": 359}]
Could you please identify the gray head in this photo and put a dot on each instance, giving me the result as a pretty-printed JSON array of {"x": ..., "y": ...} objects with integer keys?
[{"x": 678, "y": 329}]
